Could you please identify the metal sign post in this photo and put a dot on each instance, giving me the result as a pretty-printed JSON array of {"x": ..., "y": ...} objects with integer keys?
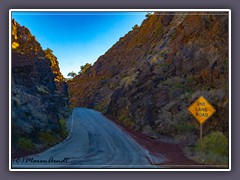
[{"x": 201, "y": 136}]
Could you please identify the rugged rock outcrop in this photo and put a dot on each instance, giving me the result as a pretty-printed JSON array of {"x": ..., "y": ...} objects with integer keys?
[
  {"x": 59, "y": 80},
  {"x": 150, "y": 76},
  {"x": 39, "y": 95}
]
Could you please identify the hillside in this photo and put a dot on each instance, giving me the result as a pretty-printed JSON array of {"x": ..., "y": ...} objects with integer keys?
[
  {"x": 39, "y": 95},
  {"x": 150, "y": 76}
]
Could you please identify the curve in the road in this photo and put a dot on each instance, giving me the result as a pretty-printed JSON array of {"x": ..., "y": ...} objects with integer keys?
[{"x": 93, "y": 142}]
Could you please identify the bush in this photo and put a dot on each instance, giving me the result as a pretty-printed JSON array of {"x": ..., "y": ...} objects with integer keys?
[
  {"x": 126, "y": 121},
  {"x": 149, "y": 14},
  {"x": 63, "y": 128},
  {"x": 185, "y": 127},
  {"x": 84, "y": 68},
  {"x": 215, "y": 143},
  {"x": 135, "y": 26},
  {"x": 47, "y": 137},
  {"x": 214, "y": 150},
  {"x": 124, "y": 118},
  {"x": 154, "y": 60},
  {"x": 25, "y": 144},
  {"x": 128, "y": 80}
]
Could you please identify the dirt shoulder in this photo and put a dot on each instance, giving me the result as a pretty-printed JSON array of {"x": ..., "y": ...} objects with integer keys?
[{"x": 173, "y": 152}]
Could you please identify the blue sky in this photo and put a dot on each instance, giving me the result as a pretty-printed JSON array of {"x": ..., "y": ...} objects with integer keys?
[{"x": 77, "y": 38}]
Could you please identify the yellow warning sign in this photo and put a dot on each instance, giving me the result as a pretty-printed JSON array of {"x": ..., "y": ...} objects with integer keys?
[{"x": 201, "y": 109}]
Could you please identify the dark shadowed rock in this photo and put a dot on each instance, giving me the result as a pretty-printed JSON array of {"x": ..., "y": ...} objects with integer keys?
[
  {"x": 39, "y": 100},
  {"x": 166, "y": 19}
]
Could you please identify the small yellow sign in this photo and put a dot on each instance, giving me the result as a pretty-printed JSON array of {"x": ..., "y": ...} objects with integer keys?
[{"x": 201, "y": 109}]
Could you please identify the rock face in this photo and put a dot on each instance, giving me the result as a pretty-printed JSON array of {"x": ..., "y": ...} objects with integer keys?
[
  {"x": 59, "y": 80},
  {"x": 39, "y": 95},
  {"x": 150, "y": 76}
]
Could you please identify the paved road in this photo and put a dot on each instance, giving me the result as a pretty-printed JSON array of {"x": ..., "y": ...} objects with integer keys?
[{"x": 93, "y": 142}]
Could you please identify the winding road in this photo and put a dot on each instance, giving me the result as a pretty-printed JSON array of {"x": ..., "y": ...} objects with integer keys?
[{"x": 93, "y": 142}]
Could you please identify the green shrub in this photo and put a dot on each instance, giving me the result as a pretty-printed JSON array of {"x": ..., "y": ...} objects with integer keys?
[
  {"x": 25, "y": 144},
  {"x": 215, "y": 143},
  {"x": 154, "y": 60},
  {"x": 214, "y": 150},
  {"x": 63, "y": 128},
  {"x": 149, "y": 14},
  {"x": 175, "y": 85},
  {"x": 185, "y": 127},
  {"x": 124, "y": 118},
  {"x": 47, "y": 137},
  {"x": 135, "y": 27},
  {"x": 127, "y": 121},
  {"x": 128, "y": 80},
  {"x": 84, "y": 68}
]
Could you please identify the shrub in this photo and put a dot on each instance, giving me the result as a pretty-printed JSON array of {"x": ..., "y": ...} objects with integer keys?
[
  {"x": 135, "y": 26},
  {"x": 185, "y": 127},
  {"x": 47, "y": 137},
  {"x": 84, "y": 68},
  {"x": 128, "y": 80},
  {"x": 63, "y": 128},
  {"x": 149, "y": 14},
  {"x": 72, "y": 74},
  {"x": 124, "y": 118},
  {"x": 175, "y": 85},
  {"x": 215, "y": 143},
  {"x": 25, "y": 144},
  {"x": 126, "y": 121},
  {"x": 154, "y": 60},
  {"x": 214, "y": 150}
]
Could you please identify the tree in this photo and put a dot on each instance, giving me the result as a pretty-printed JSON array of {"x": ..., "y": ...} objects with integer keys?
[
  {"x": 72, "y": 74},
  {"x": 135, "y": 26},
  {"x": 84, "y": 68},
  {"x": 148, "y": 14}
]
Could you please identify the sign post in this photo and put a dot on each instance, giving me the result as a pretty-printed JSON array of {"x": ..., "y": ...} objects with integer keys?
[
  {"x": 201, "y": 110},
  {"x": 201, "y": 135}
]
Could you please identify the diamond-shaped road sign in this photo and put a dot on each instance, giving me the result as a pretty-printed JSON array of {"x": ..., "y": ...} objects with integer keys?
[{"x": 201, "y": 109}]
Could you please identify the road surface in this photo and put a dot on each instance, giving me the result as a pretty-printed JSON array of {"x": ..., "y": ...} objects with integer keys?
[{"x": 93, "y": 142}]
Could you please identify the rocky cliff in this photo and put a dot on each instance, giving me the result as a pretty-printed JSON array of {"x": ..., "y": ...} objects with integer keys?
[
  {"x": 39, "y": 95},
  {"x": 150, "y": 76}
]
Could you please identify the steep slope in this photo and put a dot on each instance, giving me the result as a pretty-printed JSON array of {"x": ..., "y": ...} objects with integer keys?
[
  {"x": 39, "y": 95},
  {"x": 59, "y": 80},
  {"x": 150, "y": 76}
]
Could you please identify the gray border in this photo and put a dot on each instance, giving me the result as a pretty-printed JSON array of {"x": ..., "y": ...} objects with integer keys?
[
  {"x": 206, "y": 4},
  {"x": 191, "y": 168}
]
